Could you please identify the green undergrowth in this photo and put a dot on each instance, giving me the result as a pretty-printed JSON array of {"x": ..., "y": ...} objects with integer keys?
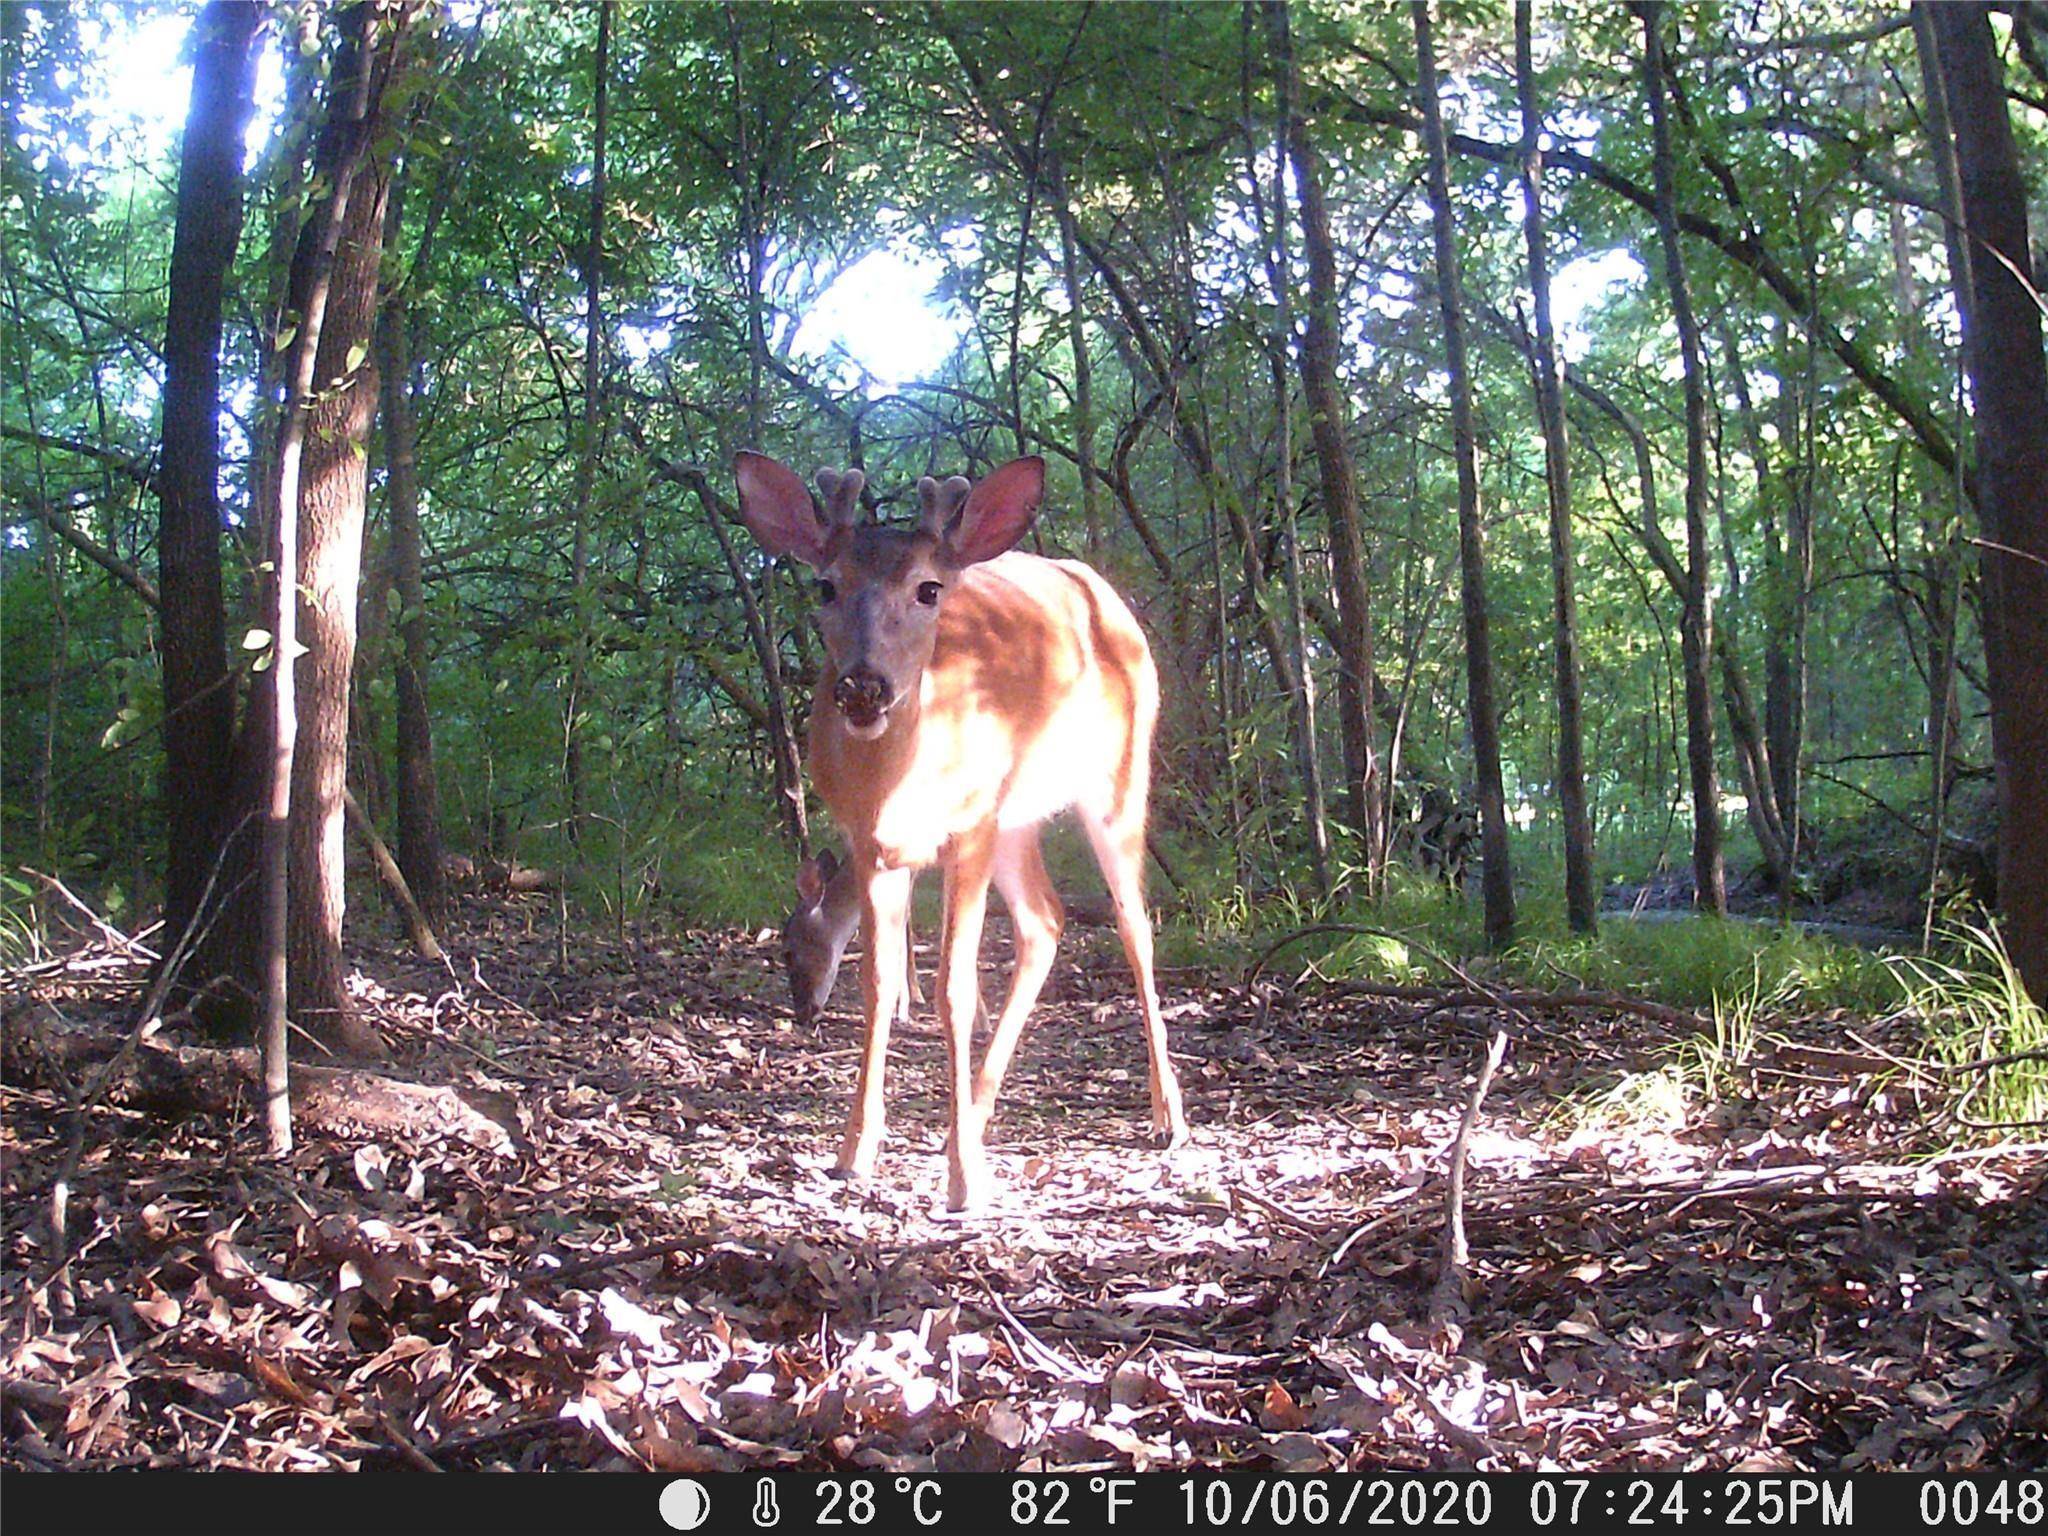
[
  {"x": 1983, "y": 1027},
  {"x": 1748, "y": 982}
]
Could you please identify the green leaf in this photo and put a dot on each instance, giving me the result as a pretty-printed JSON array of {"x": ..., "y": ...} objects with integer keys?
[
  {"x": 256, "y": 639},
  {"x": 356, "y": 354}
]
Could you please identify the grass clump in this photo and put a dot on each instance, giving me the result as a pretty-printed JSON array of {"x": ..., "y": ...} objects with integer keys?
[{"x": 1978, "y": 1015}]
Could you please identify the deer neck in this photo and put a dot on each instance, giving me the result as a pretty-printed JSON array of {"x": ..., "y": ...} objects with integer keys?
[{"x": 865, "y": 783}]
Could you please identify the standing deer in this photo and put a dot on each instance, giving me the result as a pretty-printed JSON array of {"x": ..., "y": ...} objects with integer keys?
[{"x": 968, "y": 694}]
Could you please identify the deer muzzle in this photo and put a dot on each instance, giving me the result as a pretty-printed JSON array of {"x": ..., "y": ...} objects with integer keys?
[{"x": 863, "y": 697}]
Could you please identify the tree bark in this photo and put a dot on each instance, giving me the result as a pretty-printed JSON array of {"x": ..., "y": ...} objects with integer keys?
[
  {"x": 1497, "y": 884},
  {"x": 1582, "y": 896},
  {"x": 2009, "y": 399},
  {"x": 750, "y": 184},
  {"x": 420, "y": 854},
  {"x": 1710, "y": 884},
  {"x": 322, "y": 481},
  {"x": 1084, "y": 367},
  {"x": 1324, "y": 395},
  {"x": 199, "y": 704},
  {"x": 591, "y": 444}
]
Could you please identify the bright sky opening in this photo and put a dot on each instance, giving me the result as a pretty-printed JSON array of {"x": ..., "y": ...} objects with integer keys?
[{"x": 880, "y": 313}]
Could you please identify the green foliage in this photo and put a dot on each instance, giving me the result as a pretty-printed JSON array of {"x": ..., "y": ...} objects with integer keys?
[
  {"x": 757, "y": 152},
  {"x": 1975, "y": 1011}
]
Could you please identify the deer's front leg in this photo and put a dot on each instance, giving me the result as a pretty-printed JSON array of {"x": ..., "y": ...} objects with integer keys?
[
  {"x": 967, "y": 877},
  {"x": 885, "y": 912}
]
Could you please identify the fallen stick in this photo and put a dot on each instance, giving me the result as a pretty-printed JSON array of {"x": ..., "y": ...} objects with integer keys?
[{"x": 183, "y": 1080}]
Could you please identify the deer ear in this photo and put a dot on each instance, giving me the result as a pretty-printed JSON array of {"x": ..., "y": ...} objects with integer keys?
[
  {"x": 777, "y": 508},
  {"x": 998, "y": 511},
  {"x": 810, "y": 879}
]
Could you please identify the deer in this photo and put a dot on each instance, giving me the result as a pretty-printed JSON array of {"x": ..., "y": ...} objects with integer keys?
[
  {"x": 969, "y": 692},
  {"x": 817, "y": 931}
]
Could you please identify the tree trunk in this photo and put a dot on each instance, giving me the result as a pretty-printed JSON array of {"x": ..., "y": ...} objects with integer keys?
[
  {"x": 419, "y": 851},
  {"x": 199, "y": 703},
  {"x": 322, "y": 480},
  {"x": 2009, "y": 396},
  {"x": 1273, "y": 241},
  {"x": 785, "y": 754},
  {"x": 591, "y": 441},
  {"x": 1084, "y": 368},
  {"x": 1710, "y": 884},
  {"x": 1496, "y": 878},
  {"x": 1581, "y": 893},
  {"x": 1325, "y": 398}
]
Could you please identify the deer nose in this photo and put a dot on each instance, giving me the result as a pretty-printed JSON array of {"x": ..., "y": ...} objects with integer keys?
[{"x": 862, "y": 695}]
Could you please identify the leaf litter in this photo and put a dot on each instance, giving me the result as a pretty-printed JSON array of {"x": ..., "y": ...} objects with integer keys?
[{"x": 662, "y": 1275}]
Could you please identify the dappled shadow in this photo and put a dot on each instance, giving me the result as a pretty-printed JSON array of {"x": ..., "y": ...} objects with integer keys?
[{"x": 664, "y": 1275}]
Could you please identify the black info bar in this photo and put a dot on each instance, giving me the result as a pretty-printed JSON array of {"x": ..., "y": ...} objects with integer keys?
[{"x": 386, "y": 1504}]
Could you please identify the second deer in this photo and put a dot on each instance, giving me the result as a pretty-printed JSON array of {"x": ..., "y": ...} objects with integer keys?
[{"x": 969, "y": 693}]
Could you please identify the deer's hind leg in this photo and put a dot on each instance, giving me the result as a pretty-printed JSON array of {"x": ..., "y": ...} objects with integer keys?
[{"x": 1118, "y": 838}]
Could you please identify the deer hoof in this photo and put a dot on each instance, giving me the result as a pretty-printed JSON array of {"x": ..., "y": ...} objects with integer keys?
[
  {"x": 856, "y": 1164},
  {"x": 1170, "y": 1136}
]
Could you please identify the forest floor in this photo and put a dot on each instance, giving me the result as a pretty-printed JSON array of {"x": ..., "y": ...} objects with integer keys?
[{"x": 660, "y": 1273}]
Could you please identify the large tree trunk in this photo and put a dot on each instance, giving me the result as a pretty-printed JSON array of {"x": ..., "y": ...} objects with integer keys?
[
  {"x": 2009, "y": 398},
  {"x": 329, "y": 411},
  {"x": 1581, "y": 894},
  {"x": 1496, "y": 878},
  {"x": 199, "y": 703},
  {"x": 1710, "y": 884},
  {"x": 1327, "y": 415}
]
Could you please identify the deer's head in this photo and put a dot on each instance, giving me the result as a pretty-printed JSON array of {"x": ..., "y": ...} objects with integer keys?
[
  {"x": 814, "y": 938},
  {"x": 880, "y": 589}
]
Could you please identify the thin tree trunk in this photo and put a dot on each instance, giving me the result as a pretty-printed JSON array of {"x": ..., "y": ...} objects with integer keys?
[
  {"x": 1710, "y": 884},
  {"x": 1324, "y": 396},
  {"x": 785, "y": 755},
  {"x": 1582, "y": 896},
  {"x": 2009, "y": 390},
  {"x": 1496, "y": 878},
  {"x": 419, "y": 852},
  {"x": 1758, "y": 740},
  {"x": 591, "y": 445},
  {"x": 199, "y": 706},
  {"x": 1280, "y": 274},
  {"x": 1084, "y": 368}
]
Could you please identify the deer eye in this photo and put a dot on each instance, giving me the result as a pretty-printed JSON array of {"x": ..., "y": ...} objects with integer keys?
[
  {"x": 928, "y": 593},
  {"x": 827, "y": 592}
]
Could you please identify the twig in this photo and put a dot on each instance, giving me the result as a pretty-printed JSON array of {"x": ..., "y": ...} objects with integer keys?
[
  {"x": 695, "y": 1240},
  {"x": 1449, "y": 1299},
  {"x": 107, "y": 929},
  {"x": 1363, "y": 1230},
  {"x": 84, "y": 1102},
  {"x": 1482, "y": 997},
  {"x": 1271, "y": 1208},
  {"x": 408, "y": 1451},
  {"x": 1252, "y": 974},
  {"x": 1044, "y": 1355}
]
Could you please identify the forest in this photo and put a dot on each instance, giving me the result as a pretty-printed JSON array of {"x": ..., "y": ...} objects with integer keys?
[{"x": 1580, "y": 472}]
